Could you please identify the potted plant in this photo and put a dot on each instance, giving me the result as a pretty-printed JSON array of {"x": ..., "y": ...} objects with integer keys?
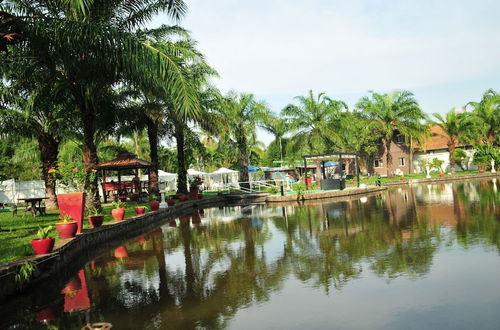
[
  {"x": 95, "y": 216},
  {"x": 72, "y": 178},
  {"x": 183, "y": 198},
  {"x": 153, "y": 202},
  {"x": 118, "y": 211},
  {"x": 170, "y": 202},
  {"x": 308, "y": 176},
  {"x": 67, "y": 227},
  {"x": 194, "y": 187},
  {"x": 43, "y": 244},
  {"x": 139, "y": 210}
]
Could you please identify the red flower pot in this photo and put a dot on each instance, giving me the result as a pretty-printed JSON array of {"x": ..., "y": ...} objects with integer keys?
[
  {"x": 170, "y": 202},
  {"x": 46, "y": 315},
  {"x": 441, "y": 174},
  {"x": 183, "y": 198},
  {"x": 67, "y": 229},
  {"x": 96, "y": 220},
  {"x": 73, "y": 285},
  {"x": 118, "y": 214},
  {"x": 155, "y": 205},
  {"x": 72, "y": 204},
  {"x": 43, "y": 246},
  {"x": 309, "y": 181},
  {"x": 172, "y": 223},
  {"x": 121, "y": 252},
  {"x": 195, "y": 218},
  {"x": 193, "y": 192},
  {"x": 139, "y": 210},
  {"x": 141, "y": 240},
  {"x": 157, "y": 233}
]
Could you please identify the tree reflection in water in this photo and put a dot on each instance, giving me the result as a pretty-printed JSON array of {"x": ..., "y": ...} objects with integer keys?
[{"x": 230, "y": 264}]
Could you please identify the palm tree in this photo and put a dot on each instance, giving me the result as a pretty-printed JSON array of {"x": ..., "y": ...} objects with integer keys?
[
  {"x": 456, "y": 127},
  {"x": 99, "y": 44},
  {"x": 488, "y": 111},
  {"x": 313, "y": 123},
  {"x": 277, "y": 126},
  {"x": 33, "y": 105},
  {"x": 390, "y": 113},
  {"x": 242, "y": 113}
]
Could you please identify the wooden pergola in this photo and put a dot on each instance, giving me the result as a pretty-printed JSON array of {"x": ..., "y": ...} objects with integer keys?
[
  {"x": 124, "y": 161},
  {"x": 328, "y": 183}
]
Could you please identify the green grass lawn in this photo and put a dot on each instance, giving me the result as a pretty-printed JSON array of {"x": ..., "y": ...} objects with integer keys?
[{"x": 18, "y": 231}]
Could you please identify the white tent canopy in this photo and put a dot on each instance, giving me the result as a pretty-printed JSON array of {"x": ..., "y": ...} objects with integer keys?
[
  {"x": 166, "y": 174},
  {"x": 192, "y": 171},
  {"x": 224, "y": 170}
]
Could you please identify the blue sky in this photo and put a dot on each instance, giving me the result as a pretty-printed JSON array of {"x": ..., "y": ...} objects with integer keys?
[{"x": 446, "y": 52}]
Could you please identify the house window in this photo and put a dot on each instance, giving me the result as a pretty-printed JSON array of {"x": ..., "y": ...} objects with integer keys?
[
  {"x": 378, "y": 163},
  {"x": 400, "y": 139},
  {"x": 401, "y": 162}
]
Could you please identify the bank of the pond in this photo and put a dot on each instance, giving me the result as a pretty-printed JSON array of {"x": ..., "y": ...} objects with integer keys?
[
  {"x": 323, "y": 195},
  {"x": 445, "y": 178},
  {"x": 92, "y": 241}
]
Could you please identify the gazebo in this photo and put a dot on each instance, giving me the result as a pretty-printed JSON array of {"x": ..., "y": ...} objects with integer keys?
[
  {"x": 331, "y": 180},
  {"x": 123, "y": 189}
]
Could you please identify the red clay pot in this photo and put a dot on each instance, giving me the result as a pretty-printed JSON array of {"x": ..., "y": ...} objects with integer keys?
[
  {"x": 195, "y": 218},
  {"x": 170, "y": 202},
  {"x": 46, "y": 315},
  {"x": 43, "y": 246},
  {"x": 121, "y": 252},
  {"x": 155, "y": 205},
  {"x": 95, "y": 220},
  {"x": 118, "y": 214},
  {"x": 183, "y": 198},
  {"x": 193, "y": 192},
  {"x": 441, "y": 174},
  {"x": 67, "y": 230},
  {"x": 139, "y": 210},
  {"x": 72, "y": 204}
]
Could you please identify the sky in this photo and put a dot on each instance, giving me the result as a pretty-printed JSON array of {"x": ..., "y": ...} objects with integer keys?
[{"x": 446, "y": 52}]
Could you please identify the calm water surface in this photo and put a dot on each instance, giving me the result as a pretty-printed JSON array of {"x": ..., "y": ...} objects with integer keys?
[{"x": 425, "y": 257}]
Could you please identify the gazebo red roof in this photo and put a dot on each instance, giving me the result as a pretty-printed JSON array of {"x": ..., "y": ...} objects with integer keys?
[{"x": 124, "y": 161}]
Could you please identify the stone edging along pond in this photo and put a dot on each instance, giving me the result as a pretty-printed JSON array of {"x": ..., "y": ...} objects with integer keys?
[{"x": 445, "y": 178}]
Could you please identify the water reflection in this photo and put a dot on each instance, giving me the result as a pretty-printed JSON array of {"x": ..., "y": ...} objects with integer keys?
[{"x": 201, "y": 270}]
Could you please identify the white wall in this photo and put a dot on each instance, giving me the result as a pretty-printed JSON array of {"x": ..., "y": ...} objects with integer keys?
[{"x": 442, "y": 155}]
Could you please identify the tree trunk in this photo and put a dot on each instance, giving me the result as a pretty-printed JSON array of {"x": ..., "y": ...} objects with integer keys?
[
  {"x": 451, "y": 151},
  {"x": 153, "y": 154},
  {"x": 49, "y": 150},
  {"x": 181, "y": 162},
  {"x": 90, "y": 158},
  {"x": 388, "y": 157},
  {"x": 243, "y": 161}
]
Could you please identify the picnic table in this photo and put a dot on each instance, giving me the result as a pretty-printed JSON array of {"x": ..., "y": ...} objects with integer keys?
[{"x": 36, "y": 204}]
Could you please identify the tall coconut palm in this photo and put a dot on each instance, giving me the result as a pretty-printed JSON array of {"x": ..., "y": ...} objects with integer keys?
[
  {"x": 242, "y": 113},
  {"x": 33, "y": 105},
  {"x": 390, "y": 113},
  {"x": 313, "y": 123},
  {"x": 488, "y": 111},
  {"x": 277, "y": 126},
  {"x": 98, "y": 44},
  {"x": 456, "y": 127}
]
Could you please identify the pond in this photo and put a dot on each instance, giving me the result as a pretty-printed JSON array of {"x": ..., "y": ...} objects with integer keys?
[{"x": 421, "y": 257}]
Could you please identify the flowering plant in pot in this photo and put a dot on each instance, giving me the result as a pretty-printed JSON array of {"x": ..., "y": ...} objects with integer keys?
[
  {"x": 118, "y": 211},
  {"x": 95, "y": 216},
  {"x": 67, "y": 227},
  {"x": 42, "y": 243},
  {"x": 194, "y": 186},
  {"x": 153, "y": 202},
  {"x": 139, "y": 210}
]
